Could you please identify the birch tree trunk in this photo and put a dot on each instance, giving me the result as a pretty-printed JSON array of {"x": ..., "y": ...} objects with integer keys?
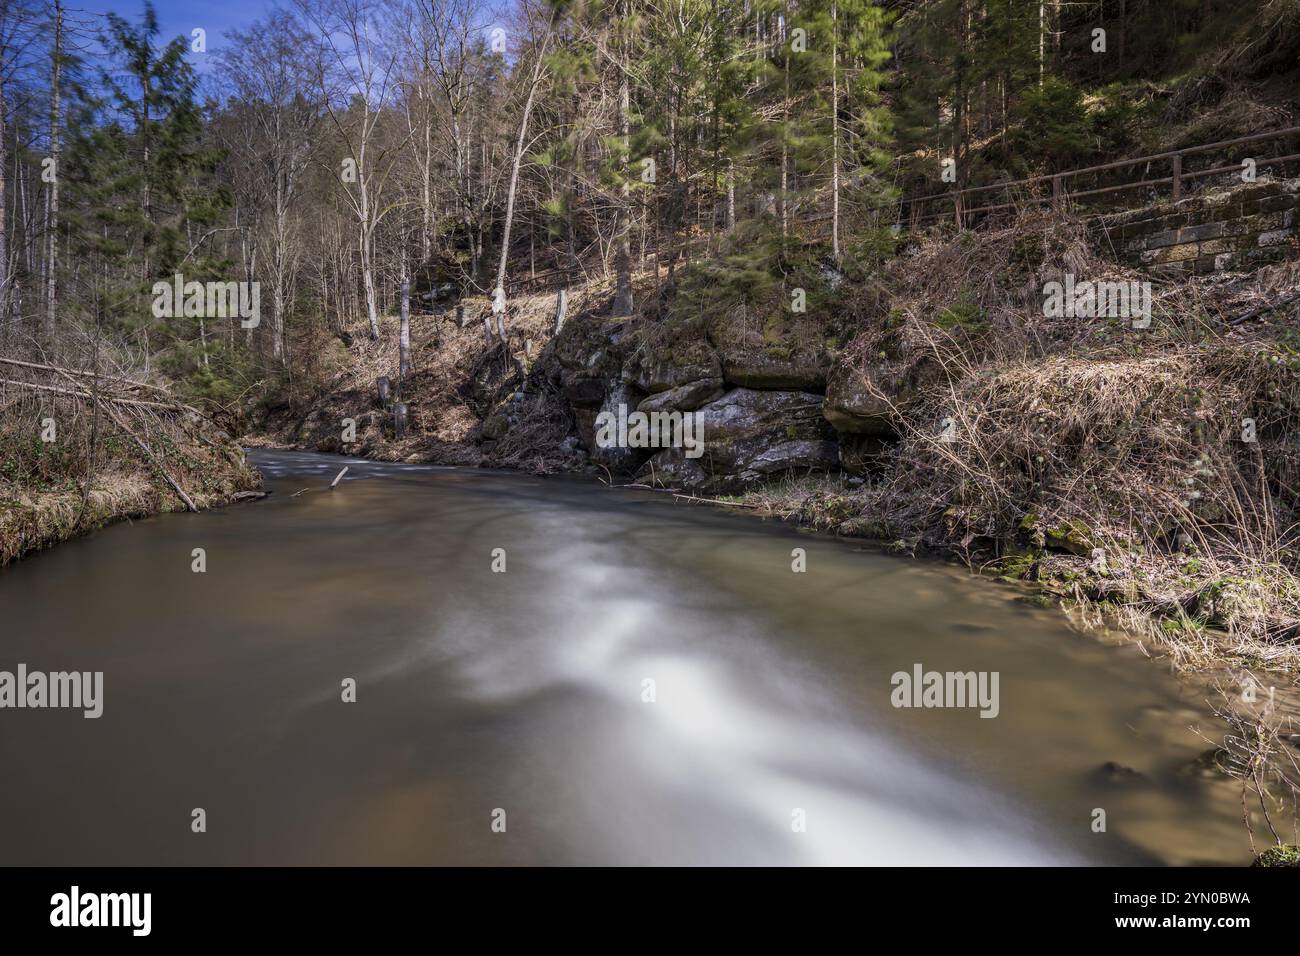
[
  {"x": 538, "y": 68},
  {"x": 52, "y": 227},
  {"x": 404, "y": 332},
  {"x": 835, "y": 133},
  {"x": 623, "y": 255}
]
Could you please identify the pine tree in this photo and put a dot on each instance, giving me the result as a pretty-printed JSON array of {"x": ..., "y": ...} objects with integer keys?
[{"x": 142, "y": 183}]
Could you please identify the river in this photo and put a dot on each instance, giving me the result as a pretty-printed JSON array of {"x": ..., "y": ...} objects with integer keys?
[{"x": 647, "y": 681}]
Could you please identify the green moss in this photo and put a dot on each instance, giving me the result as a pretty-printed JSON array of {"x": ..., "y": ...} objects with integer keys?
[
  {"x": 1019, "y": 566},
  {"x": 1286, "y": 855},
  {"x": 1073, "y": 536}
]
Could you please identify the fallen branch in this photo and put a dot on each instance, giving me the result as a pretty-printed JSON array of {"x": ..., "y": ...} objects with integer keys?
[
  {"x": 717, "y": 501},
  {"x": 1264, "y": 309},
  {"x": 150, "y": 455},
  {"x": 87, "y": 396},
  {"x": 74, "y": 371},
  {"x": 140, "y": 443}
]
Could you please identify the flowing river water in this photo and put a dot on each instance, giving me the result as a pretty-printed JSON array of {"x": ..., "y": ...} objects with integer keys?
[{"x": 519, "y": 700}]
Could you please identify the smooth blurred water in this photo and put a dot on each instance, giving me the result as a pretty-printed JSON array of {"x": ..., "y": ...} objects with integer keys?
[{"x": 523, "y": 691}]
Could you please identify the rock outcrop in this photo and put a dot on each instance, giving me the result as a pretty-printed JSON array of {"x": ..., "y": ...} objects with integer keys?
[{"x": 748, "y": 434}]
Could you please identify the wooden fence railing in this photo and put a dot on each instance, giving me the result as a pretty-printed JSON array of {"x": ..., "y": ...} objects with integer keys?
[{"x": 1060, "y": 187}]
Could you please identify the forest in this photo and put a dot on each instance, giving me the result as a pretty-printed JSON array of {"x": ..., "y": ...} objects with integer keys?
[
  {"x": 1010, "y": 283},
  {"x": 335, "y": 150}
]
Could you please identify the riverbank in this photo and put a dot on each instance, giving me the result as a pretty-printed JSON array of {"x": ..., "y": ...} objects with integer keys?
[
  {"x": 33, "y": 521},
  {"x": 76, "y": 460}
]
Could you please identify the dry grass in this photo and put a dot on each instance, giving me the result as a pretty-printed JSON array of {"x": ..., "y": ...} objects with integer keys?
[
  {"x": 460, "y": 378},
  {"x": 1104, "y": 462},
  {"x": 72, "y": 459}
]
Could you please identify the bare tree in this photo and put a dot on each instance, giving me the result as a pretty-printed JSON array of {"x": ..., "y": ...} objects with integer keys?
[
  {"x": 360, "y": 69},
  {"x": 623, "y": 227},
  {"x": 534, "y": 81},
  {"x": 452, "y": 27},
  {"x": 56, "y": 143},
  {"x": 278, "y": 117},
  {"x": 15, "y": 23}
]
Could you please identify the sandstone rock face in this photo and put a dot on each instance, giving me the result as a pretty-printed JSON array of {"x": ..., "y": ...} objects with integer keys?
[
  {"x": 850, "y": 405},
  {"x": 748, "y": 433},
  {"x": 758, "y": 369},
  {"x": 614, "y": 458},
  {"x": 819, "y": 455},
  {"x": 684, "y": 398},
  {"x": 659, "y": 372},
  {"x": 745, "y": 411},
  {"x": 756, "y": 400}
]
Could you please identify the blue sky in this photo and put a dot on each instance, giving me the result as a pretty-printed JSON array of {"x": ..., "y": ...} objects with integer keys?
[{"x": 179, "y": 17}]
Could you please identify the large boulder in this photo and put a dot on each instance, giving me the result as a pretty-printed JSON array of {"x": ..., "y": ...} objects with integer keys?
[
  {"x": 747, "y": 434},
  {"x": 682, "y": 362},
  {"x": 861, "y": 392},
  {"x": 763, "y": 368},
  {"x": 788, "y": 455},
  {"x": 746, "y": 413},
  {"x": 615, "y": 458},
  {"x": 684, "y": 398},
  {"x": 769, "y": 346},
  {"x": 852, "y": 406}
]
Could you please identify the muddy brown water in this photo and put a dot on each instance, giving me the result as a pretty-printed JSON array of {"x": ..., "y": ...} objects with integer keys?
[{"x": 771, "y": 737}]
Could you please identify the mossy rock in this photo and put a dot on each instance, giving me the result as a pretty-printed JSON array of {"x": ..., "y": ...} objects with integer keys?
[
  {"x": 680, "y": 362},
  {"x": 774, "y": 368},
  {"x": 1286, "y": 855},
  {"x": 1071, "y": 536}
]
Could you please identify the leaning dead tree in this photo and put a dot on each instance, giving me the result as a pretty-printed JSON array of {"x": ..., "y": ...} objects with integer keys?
[{"x": 122, "y": 402}]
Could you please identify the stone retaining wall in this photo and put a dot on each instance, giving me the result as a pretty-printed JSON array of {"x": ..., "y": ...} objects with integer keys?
[{"x": 1227, "y": 229}]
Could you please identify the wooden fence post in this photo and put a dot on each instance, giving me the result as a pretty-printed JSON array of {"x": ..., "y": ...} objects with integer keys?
[{"x": 1178, "y": 176}]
